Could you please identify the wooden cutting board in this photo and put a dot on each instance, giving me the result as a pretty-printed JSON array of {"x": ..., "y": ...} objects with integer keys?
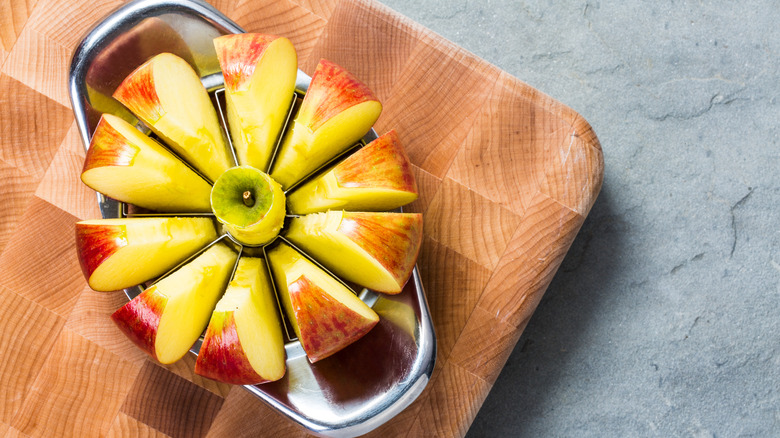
[{"x": 507, "y": 176}]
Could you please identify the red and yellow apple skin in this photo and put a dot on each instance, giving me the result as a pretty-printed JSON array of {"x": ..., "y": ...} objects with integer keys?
[
  {"x": 167, "y": 318},
  {"x": 326, "y": 330},
  {"x": 139, "y": 319},
  {"x": 393, "y": 239},
  {"x": 332, "y": 91},
  {"x": 378, "y": 177},
  {"x": 244, "y": 344},
  {"x": 239, "y": 55},
  {"x": 337, "y": 111},
  {"x": 108, "y": 147},
  {"x": 383, "y": 163},
  {"x": 227, "y": 362},
  {"x": 96, "y": 243},
  {"x": 373, "y": 249},
  {"x": 138, "y": 93},
  {"x": 119, "y": 253},
  {"x": 260, "y": 72},
  {"x": 128, "y": 166},
  {"x": 167, "y": 95},
  {"x": 325, "y": 315}
]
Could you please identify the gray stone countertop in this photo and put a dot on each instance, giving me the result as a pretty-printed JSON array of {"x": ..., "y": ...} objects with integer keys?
[{"x": 664, "y": 318}]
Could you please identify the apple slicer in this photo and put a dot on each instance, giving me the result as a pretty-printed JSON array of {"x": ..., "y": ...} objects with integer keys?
[{"x": 350, "y": 393}]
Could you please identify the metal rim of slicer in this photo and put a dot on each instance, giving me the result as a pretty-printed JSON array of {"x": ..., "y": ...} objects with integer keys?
[{"x": 352, "y": 392}]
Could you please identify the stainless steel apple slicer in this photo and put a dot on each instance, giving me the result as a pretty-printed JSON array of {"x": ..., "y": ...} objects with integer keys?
[{"x": 348, "y": 394}]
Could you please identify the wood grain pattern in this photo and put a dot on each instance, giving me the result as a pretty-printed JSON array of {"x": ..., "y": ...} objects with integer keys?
[
  {"x": 56, "y": 186},
  {"x": 535, "y": 252},
  {"x": 38, "y": 265},
  {"x": 41, "y": 64},
  {"x": 18, "y": 190},
  {"x": 7, "y": 431},
  {"x": 128, "y": 427},
  {"x": 470, "y": 224},
  {"x": 13, "y": 16},
  {"x": 78, "y": 392},
  {"x": 377, "y": 49},
  {"x": 453, "y": 285},
  {"x": 451, "y": 405},
  {"x": 323, "y": 8},
  {"x": 484, "y": 359},
  {"x": 435, "y": 101},
  {"x": 427, "y": 186},
  {"x": 91, "y": 318},
  {"x": 65, "y": 21},
  {"x": 283, "y": 18},
  {"x": 506, "y": 177},
  {"x": 31, "y": 127},
  {"x": 170, "y": 403},
  {"x": 24, "y": 347},
  {"x": 243, "y": 415},
  {"x": 509, "y": 163}
]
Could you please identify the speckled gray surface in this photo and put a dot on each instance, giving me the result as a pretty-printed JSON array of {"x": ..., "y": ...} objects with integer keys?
[{"x": 664, "y": 319}]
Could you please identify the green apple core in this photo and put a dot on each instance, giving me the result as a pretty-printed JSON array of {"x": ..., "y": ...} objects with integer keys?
[{"x": 250, "y": 204}]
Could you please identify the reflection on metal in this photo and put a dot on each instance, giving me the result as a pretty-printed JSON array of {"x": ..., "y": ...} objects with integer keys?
[{"x": 347, "y": 394}]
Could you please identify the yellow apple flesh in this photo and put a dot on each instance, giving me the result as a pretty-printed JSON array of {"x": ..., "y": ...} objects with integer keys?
[
  {"x": 325, "y": 315},
  {"x": 374, "y": 250},
  {"x": 250, "y": 204},
  {"x": 128, "y": 166},
  {"x": 337, "y": 111},
  {"x": 378, "y": 177},
  {"x": 167, "y": 95},
  {"x": 243, "y": 344},
  {"x": 259, "y": 72},
  {"x": 119, "y": 253},
  {"x": 166, "y": 319}
]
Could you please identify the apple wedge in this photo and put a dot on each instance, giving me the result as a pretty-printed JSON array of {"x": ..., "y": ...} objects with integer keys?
[
  {"x": 374, "y": 250},
  {"x": 168, "y": 317},
  {"x": 259, "y": 72},
  {"x": 336, "y": 112},
  {"x": 325, "y": 315},
  {"x": 119, "y": 253},
  {"x": 378, "y": 177},
  {"x": 244, "y": 343},
  {"x": 167, "y": 95},
  {"x": 250, "y": 204},
  {"x": 128, "y": 166}
]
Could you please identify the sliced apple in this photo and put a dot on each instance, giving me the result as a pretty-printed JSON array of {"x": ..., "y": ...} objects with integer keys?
[
  {"x": 167, "y": 95},
  {"x": 128, "y": 166},
  {"x": 336, "y": 112},
  {"x": 243, "y": 343},
  {"x": 259, "y": 72},
  {"x": 375, "y": 250},
  {"x": 325, "y": 315},
  {"x": 378, "y": 177},
  {"x": 168, "y": 317},
  {"x": 119, "y": 253},
  {"x": 250, "y": 204}
]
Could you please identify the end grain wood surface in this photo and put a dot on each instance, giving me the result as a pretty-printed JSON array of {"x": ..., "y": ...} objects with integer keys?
[{"x": 507, "y": 176}]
